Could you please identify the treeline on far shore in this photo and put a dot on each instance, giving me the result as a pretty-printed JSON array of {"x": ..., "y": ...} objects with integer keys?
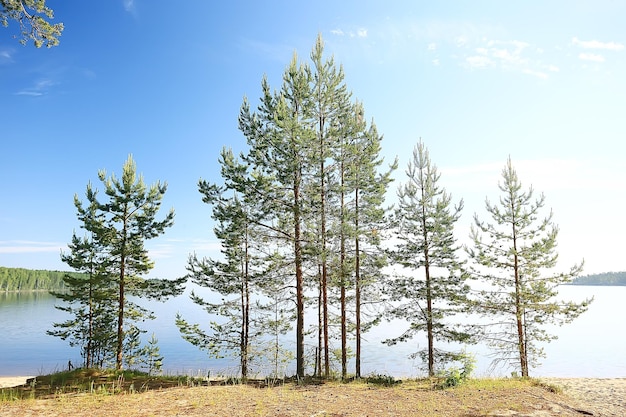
[
  {"x": 605, "y": 278},
  {"x": 22, "y": 279}
]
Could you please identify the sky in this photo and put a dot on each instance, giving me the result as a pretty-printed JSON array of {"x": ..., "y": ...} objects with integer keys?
[{"x": 543, "y": 83}]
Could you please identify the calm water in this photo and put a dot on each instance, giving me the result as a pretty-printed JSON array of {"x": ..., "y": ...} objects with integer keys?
[{"x": 594, "y": 345}]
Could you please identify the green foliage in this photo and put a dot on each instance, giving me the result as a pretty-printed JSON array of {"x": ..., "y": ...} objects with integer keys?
[
  {"x": 454, "y": 376},
  {"x": 114, "y": 258},
  {"x": 516, "y": 255},
  {"x": 431, "y": 286},
  {"x": 312, "y": 181},
  {"x": 605, "y": 278},
  {"x": 382, "y": 380},
  {"x": 33, "y": 17},
  {"x": 149, "y": 357},
  {"x": 21, "y": 279},
  {"x": 93, "y": 381},
  {"x": 238, "y": 278}
]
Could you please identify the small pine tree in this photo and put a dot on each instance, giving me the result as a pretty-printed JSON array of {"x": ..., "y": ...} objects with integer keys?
[{"x": 516, "y": 256}]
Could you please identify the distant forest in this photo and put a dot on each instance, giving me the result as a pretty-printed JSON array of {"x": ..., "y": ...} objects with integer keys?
[
  {"x": 21, "y": 279},
  {"x": 605, "y": 278}
]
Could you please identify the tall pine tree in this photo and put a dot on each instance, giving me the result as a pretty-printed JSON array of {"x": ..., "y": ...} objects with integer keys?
[
  {"x": 233, "y": 277},
  {"x": 433, "y": 287}
]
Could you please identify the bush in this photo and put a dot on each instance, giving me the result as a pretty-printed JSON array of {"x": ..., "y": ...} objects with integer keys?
[
  {"x": 384, "y": 380},
  {"x": 451, "y": 377}
]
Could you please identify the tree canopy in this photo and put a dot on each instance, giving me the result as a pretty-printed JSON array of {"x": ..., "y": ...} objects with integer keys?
[
  {"x": 22, "y": 279},
  {"x": 114, "y": 259},
  {"x": 516, "y": 256},
  {"x": 34, "y": 19}
]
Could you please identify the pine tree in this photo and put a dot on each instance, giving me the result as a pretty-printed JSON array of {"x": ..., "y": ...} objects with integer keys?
[
  {"x": 33, "y": 17},
  {"x": 88, "y": 294},
  {"x": 330, "y": 102},
  {"x": 302, "y": 157},
  {"x": 516, "y": 255},
  {"x": 233, "y": 277},
  {"x": 280, "y": 141},
  {"x": 424, "y": 224},
  {"x": 123, "y": 224},
  {"x": 369, "y": 188}
]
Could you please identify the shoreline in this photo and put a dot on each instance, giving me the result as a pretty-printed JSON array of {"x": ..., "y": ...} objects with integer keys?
[
  {"x": 13, "y": 381},
  {"x": 600, "y": 397}
]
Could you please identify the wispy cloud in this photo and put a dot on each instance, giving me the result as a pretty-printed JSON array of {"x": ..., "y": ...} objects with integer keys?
[
  {"x": 39, "y": 88},
  {"x": 538, "y": 74},
  {"x": 611, "y": 46},
  {"x": 129, "y": 6},
  {"x": 25, "y": 246},
  {"x": 354, "y": 33},
  {"x": 479, "y": 61},
  {"x": 511, "y": 55},
  {"x": 161, "y": 251},
  {"x": 591, "y": 57},
  {"x": 553, "y": 68},
  {"x": 461, "y": 41},
  {"x": 6, "y": 56}
]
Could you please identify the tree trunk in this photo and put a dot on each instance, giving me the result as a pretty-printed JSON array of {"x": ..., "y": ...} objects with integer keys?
[
  {"x": 120, "y": 311},
  {"x": 429, "y": 297},
  {"x": 342, "y": 281},
  {"x": 357, "y": 278},
  {"x": 299, "y": 282},
  {"x": 245, "y": 308},
  {"x": 519, "y": 308}
]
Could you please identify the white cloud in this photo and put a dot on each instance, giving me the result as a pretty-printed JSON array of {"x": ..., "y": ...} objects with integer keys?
[
  {"x": 162, "y": 251},
  {"x": 40, "y": 88},
  {"x": 514, "y": 55},
  {"x": 23, "y": 246},
  {"x": 509, "y": 57},
  {"x": 477, "y": 61},
  {"x": 611, "y": 46},
  {"x": 6, "y": 56},
  {"x": 591, "y": 57},
  {"x": 359, "y": 33},
  {"x": 129, "y": 5},
  {"x": 436, "y": 62},
  {"x": 538, "y": 74},
  {"x": 28, "y": 93},
  {"x": 461, "y": 41},
  {"x": 432, "y": 46}
]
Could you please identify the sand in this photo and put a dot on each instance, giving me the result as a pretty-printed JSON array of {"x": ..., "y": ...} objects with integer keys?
[
  {"x": 599, "y": 397},
  {"x": 13, "y": 381},
  {"x": 602, "y": 397}
]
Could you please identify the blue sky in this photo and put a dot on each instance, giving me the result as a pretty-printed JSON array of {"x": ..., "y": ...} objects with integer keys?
[{"x": 543, "y": 82}]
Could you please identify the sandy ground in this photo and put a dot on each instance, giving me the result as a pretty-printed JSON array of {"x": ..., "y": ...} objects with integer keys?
[
  {"x": 12, "y": 381},
  {"x": 599, "y": 397},
  {"x": 603, "y": 397}
]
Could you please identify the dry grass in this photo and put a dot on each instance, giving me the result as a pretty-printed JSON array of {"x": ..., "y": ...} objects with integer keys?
[{"x": 411, "y": 398}]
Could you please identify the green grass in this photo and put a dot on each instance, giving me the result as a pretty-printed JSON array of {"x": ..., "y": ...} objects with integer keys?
[{"x": 107, "y": 382}]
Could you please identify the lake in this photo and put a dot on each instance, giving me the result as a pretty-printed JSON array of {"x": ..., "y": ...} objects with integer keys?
[{"x": 594, "y": 345}]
